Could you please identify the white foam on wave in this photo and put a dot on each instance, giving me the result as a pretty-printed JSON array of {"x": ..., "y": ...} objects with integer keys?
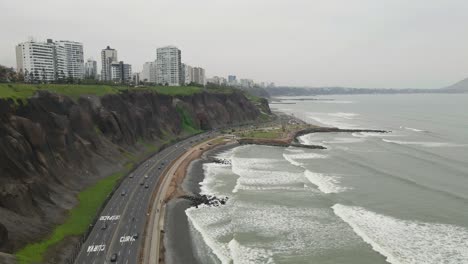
[
  {"x": 408, "y": 242},
  {"x": 262, "y": 174},
  {"x": 326, "y": 183},
  {"x": 343, "y": 140},
  {"x": 249, "y": 255},
  {"x": 425, "y": 144},
  {"x": 344, "y": 115},
  {"x": 295, "y": 157},
  {"x": 213, "y": 173},
  {"x": 412, "y": 129},
  {"x": 203, "y": 220}
]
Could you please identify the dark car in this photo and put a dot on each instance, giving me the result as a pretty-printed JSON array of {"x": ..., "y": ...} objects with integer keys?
[
  {"x": 104, "y": 226},
  {"x": 114, "y": 257},
  {"x": 135, "y": 236},
  {"x": 142, "y": 183}
]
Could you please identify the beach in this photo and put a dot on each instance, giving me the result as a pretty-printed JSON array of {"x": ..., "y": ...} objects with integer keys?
[{"x": 178, "y": 245}]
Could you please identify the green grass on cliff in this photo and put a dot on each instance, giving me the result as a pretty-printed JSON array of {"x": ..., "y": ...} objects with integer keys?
[
  {"x": 188, "y": 125},
  {"x": 22, "y": 91},
  {"x": 78, "y": 220}
]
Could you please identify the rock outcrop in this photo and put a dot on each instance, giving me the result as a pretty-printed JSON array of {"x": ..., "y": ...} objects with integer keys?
[{"x": 52, "y": 147}]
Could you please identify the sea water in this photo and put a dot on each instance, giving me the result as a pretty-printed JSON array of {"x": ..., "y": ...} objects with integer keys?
[{"x": 399, "y": 197}]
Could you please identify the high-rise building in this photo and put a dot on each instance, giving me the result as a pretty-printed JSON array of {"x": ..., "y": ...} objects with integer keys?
[
  {"x": 136, "y": 78},
  {"x": 120, "y": 72},
  {"x": 108, "y": 56},
  {"x": 50, "y": 61},
  {"x": 193, "y": 75},
  {"x": 91, "y": 69},
  {"x": 169, "y": 66},
  {"x": 199, "y": 75},
  {"x": 188, "y": 73},
  {"x": 148, "y": 74},
  {"x": 73, "y": 58}
]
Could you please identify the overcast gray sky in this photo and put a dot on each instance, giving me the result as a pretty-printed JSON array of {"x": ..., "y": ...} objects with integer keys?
[{"x": 353, "y": 43}]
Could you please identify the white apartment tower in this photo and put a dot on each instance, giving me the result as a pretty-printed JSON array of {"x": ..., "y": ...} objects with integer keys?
[
  {"x": 91, "y": 69},
  {"x": 108, "y": 56},
  {"x": 199, "y": 75},
  {"x": 73, "y": 58},
  {"x": 50, "y": 61},
  {"x": 188, "y": 74},
  {"x": 169, "y": 66},
  {"x": 148, "y": 74}
]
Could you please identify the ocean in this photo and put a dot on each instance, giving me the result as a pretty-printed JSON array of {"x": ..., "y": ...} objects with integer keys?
[{"x": 399, "y": 197}]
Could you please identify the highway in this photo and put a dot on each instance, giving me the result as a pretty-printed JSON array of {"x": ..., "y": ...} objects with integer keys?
[{"x": 120, "y": 227}]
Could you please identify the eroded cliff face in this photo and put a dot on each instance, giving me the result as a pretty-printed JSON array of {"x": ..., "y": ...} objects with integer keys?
[{"x": 53, "y": 147}]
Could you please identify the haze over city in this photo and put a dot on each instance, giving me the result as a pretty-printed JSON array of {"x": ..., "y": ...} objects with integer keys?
[{"x": 368, "y": 44}]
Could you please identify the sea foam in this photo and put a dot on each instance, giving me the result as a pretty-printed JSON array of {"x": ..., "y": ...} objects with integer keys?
[
  {"x": 425, "y": 144},
  {"x": 407, "y": 242},
  {"x": 326, "y": 183}
]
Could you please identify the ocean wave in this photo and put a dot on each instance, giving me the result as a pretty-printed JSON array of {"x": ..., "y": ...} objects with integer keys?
[
  {"x": 295, "y": 157},
  {"x": 326, "y": 183},
  {"x": 344, "y": 115},
  {"x": 425, "y": 144},
  {"x": 412, "y": 129},
  {"x": 213, "y": 178},
  {"x": 409, "y": 242},
  {"x": 249, "y": 255},
  {"x": 203, "y": 219}
]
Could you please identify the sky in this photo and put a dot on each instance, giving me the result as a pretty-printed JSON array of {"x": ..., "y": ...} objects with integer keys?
[{"x": 350, "y": 43}]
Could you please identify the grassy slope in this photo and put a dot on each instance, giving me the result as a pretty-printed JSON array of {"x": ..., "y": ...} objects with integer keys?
[
  {"x": 79, "y": 218},
  {"x": 23, "y": 91}
]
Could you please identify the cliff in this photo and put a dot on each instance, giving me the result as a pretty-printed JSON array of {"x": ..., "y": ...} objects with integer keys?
[{"x": 52, "y": 147}]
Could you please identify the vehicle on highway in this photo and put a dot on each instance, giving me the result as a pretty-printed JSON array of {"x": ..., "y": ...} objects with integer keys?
[
  {"x": 135, "y": 236},
  {"x": 131, "y": 176},
  {"x": 159, "y": 167},
  {"x": 146, "y": 176},
  {"x": 114, "y": 257},
  {"x": 104, "y": 226},
  {"x": 123, "y": 193},
  {"x": 146, "y": 186},
  {"x": 142, "y": 183}
]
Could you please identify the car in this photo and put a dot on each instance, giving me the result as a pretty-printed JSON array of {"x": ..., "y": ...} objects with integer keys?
[
  {"x": 146, "y": 186},
  {"x": 142, "y": 183},
  {"x": 146, "y": 176},
  {"x": 131, "y": 176},
  {"x": 135, "y": 236},
  {"x": 159, "y": 167},
  {"x": 114, "y": 257},
  {"x": 104, "y": 226},
  {"x": 123, "y": 193}
]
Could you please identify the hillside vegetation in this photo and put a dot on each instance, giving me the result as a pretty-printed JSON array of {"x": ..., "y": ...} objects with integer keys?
[{"x": 23, "y": 91}]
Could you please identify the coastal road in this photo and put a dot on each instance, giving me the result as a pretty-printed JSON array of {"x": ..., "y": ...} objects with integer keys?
[
  {"x": 151, "y": 252},
  {"x": 120, "y": 227}
]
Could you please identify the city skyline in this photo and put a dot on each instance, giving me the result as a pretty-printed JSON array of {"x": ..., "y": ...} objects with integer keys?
[{"x": 303, "y": 43}]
